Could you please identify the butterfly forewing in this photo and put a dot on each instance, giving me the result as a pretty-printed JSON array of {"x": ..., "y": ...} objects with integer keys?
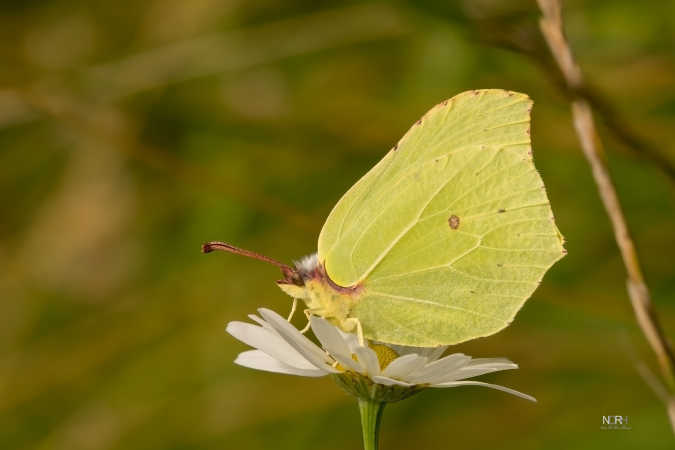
[{"x": 451, "y": 231}]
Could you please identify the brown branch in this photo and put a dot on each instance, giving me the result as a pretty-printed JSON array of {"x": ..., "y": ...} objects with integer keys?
[
  {"x": 520, "y": 38},
  {"x": 659, "y": 390},
  {"x": 552, "y": 30}
]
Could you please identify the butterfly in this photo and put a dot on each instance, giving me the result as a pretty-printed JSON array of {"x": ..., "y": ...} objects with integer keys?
[{"x": 443, "y": 240}]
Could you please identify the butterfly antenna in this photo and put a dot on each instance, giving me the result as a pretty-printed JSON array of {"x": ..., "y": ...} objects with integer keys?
[{"x": 289, "y": 272}]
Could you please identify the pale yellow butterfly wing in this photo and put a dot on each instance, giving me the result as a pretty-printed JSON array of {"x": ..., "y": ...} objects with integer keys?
[{"x": 451, "y": 231}]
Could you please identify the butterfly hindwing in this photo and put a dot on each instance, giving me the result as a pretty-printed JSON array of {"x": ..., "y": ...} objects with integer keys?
[{"x": 451, "y": 231}]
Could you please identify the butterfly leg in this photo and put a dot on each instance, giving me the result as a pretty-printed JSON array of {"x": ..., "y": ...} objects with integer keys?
[
  {"x": 352, "y": 323},
  {"x": 295, "y": 305},
  {"x": 308, "y": 312}
]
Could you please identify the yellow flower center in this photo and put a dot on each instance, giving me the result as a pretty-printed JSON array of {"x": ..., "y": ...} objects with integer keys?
[{"x": 385, "y": 355}]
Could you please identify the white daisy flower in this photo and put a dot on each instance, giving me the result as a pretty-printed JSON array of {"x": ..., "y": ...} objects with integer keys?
[{"x": 379, "y": 372}]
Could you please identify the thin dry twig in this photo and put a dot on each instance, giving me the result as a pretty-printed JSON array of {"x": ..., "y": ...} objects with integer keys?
[
  {"x": 653, "y": 382},
  {"x": 523, "y": 38},
  {"x": 552, "y": 29}
]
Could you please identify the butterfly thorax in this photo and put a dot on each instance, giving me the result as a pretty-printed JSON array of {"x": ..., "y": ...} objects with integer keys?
[{"x": 322, "y": 296}]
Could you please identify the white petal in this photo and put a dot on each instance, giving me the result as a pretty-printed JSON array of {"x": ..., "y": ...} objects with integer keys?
[
  {"x": 431, "y": 353},
  {"x": 348, "y": 363},
  {"x": 261, "y": 322},
  {"x": 402, "y": 366},
  {"x": 480, "y": 383},
  {"x": 350, "y": 339},
  {"x": 299, "y": 342},
  {"x": 368, "y": 359},
  {"x": 268, "y": 342},
  {"x": 439, "y": 369},
  {"x": 469, "y": 372},
  {"x": 490, "y": 361},
  {"x": 256, "y": 359},
  {"x": 329, "y": 337},
  {"x": 497, "y": 366},
  {"x": 403, "y": 350},
  {"x": 436, "y": 353},
  {"x": 379, "y": 379}
]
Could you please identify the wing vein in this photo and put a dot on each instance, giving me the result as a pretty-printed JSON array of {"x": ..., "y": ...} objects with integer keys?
[
  {"x": 411, "y": 224},
  {"x": 403, "y": 175},
  {"x": 495, "y": 280},
  {"x": 429, "y": 302}
]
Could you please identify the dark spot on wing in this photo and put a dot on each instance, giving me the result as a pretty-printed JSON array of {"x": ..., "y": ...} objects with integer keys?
[
  {"x": 502, "y": 210},
  {"x": 396, "y": 146},
  {"x": 453, "y": 221},
  {"x": 499, "y": 265},
  {"x": 419, "y": 122}
]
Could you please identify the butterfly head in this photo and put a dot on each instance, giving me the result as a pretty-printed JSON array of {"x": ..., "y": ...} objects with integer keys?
[{"x": 307, "y": 266}]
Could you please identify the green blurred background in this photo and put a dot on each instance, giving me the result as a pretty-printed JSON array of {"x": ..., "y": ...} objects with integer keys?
[{"x": 131, "y": 132}]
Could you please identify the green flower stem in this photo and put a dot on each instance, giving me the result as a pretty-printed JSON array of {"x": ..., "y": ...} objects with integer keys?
[{"x": 371, "y": 416}]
